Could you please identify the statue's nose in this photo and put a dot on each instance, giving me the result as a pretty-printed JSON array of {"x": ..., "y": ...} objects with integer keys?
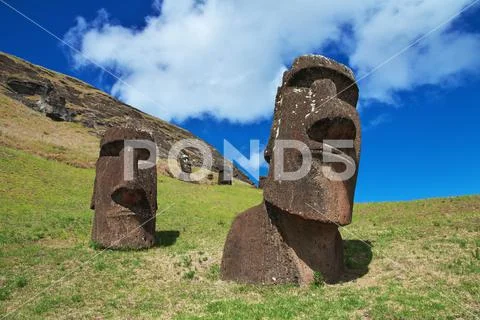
[
  {"x": 128, "y": 197},
  {"x": 134, "y": 200},
  {"x": 324, "y": 87}
]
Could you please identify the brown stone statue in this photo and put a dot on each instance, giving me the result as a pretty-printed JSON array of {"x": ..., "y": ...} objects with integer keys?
[
  {"x": 225, "y": 175},
  {"x": 185, "y": 164},
  {"x": 294, "y": 233},
  {"x": 125, "y": 205}
]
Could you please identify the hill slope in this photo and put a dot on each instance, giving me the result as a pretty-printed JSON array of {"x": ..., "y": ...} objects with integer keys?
[
  {"x": 60, "y": 117},
  {"x": 415, "y": 260}
]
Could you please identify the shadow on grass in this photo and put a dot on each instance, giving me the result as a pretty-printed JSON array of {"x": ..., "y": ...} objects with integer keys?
[
  {"x": 357, "y": 257},
  {"x": 166, "y": 238}
]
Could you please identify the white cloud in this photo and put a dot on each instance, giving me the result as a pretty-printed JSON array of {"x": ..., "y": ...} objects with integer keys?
[
  {"x": 376, "y": 121},
  {"x": 226, "y": 57}
]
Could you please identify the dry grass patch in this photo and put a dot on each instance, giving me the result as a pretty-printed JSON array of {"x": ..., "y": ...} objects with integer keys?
[{"x": 25, "y": 129}]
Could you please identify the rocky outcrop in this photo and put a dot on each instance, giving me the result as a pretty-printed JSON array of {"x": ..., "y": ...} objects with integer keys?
[
  {"x": 63, "y": 98},
  {"x": 50, "y": 102},
  {"x": 26, "y": 87}
]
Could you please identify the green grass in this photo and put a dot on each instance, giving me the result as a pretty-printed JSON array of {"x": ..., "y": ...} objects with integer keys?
[{"x": 423, "y": 263}]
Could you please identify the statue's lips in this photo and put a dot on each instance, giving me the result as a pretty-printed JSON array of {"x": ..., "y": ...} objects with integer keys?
[
  {"x": 333, "y": 154},
  {"x": 124, "y": 213}
]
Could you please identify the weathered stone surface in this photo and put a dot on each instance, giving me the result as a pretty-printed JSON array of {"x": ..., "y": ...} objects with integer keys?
[
  {"x": 267, "y": 245},
  {"x": 50, "y": 102},
  {"x": 26, "y": 87},
  {"x": 124, "y": 210},
  {"x": 261, "y": 182},
  {"x": 54, "y": 107},
  {"x": 294, "y": 232}
]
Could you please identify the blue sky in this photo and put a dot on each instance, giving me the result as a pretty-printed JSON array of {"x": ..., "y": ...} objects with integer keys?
[{"x": 212, "y": 68}]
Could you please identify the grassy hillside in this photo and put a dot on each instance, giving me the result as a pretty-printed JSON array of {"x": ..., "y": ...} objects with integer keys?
[
  {"x": 424, "y": 260},
  {"x": 74, "y": 142},
  {"x": 25, "y": 129}
]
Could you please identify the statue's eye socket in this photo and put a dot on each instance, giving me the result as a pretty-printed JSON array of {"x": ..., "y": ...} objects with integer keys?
[
  {"x": 142, "y": 154},
  {"x": 346, "y": 88},
  {"x": 111, "y": 149},
  {"x": 305, "y": 77},
  {"x": 336, "y": 128}
]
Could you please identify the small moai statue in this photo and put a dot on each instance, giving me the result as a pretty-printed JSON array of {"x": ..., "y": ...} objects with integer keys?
[
  {"x": 294, "y": 234},
  {"x": 185, "y": 164},
  {"x": 225, "y": 175},
  {"x": 125, "y": 190},
  {"x": 185, "y": 168}
]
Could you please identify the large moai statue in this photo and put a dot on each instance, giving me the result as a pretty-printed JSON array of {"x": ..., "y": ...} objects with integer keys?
[
  {"x": 125, "y": 191},
  {"x": 294, "y": 233}
]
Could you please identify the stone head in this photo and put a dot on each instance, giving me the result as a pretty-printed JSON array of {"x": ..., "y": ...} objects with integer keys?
[
  {"x": 315, "y": 105},
  {"x": 125, "y": 193}
]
